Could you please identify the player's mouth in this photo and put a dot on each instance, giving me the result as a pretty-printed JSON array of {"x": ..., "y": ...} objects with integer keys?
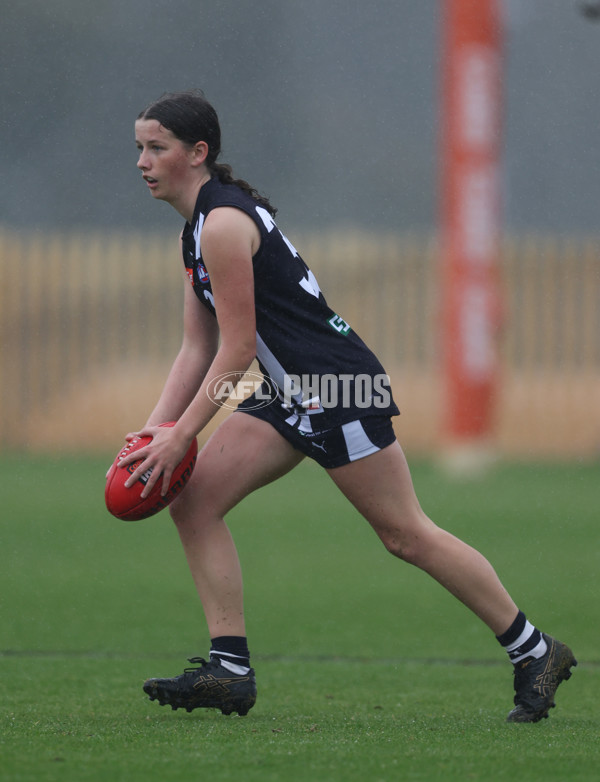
[{"x": 150, "y": 181}]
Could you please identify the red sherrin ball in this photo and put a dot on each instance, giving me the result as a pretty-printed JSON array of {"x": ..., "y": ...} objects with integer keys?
[{"x": 126, "y": 504}]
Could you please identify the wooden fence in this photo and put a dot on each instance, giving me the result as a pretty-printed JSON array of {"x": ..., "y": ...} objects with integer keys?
[{"x": 90, "y": 323}]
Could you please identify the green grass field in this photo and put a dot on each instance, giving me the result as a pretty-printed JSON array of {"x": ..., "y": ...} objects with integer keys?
[{"x": 366, "y": 669}]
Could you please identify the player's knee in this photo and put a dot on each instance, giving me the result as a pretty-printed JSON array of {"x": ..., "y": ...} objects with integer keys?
[
  {"x": 186, "y": 505},
  {"x": 410, "y": 543},
  {"x": 179, "y": 510},
  {"x": 400, "y": 548},
  {"x": 199, "y": 503},
  {"x": 393, "y": 545}
]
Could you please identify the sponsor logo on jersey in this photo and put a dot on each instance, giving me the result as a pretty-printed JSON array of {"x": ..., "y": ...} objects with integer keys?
[
  {"x": 339, "y": 324},
  {"x": 202, "y": 273}
]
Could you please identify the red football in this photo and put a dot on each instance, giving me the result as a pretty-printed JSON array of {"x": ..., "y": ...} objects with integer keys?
[{"x": 126, "y": 504}]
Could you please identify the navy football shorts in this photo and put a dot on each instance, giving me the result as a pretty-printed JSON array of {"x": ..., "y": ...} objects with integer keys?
[{"x": 333, "y": 447}]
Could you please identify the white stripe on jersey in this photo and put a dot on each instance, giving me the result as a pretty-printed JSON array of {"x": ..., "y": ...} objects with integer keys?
[
  {"x": 197, "y": 232},
  {"x": 357, "y": 442},
  {"x": 276, "y": 372}
]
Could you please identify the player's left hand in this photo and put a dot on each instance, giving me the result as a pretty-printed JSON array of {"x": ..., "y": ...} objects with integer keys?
[{"x": 162, "y": 455}]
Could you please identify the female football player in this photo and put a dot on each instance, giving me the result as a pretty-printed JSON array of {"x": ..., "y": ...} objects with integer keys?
[{"x": 248, "y": 294}]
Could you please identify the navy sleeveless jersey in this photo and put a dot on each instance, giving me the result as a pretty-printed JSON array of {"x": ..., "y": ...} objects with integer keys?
[{"x": 322, "y": 373}]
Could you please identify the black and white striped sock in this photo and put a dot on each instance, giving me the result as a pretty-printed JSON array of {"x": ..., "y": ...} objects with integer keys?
[
  {"x": 522, "y": 640},
  {"x": 232, "y": 652}
]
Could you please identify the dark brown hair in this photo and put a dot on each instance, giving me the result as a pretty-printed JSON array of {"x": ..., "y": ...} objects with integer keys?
[{"x": 191, "y": 118}]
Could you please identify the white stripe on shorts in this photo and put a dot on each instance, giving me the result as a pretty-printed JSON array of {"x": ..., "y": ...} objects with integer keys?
[{"x": 357, "y": 442}]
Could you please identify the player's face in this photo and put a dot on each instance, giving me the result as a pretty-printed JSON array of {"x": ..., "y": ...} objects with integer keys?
[{"x": 164, "y": 160}]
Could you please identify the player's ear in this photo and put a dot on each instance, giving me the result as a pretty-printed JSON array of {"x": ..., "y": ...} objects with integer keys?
[{"x": 199, "y": 153}]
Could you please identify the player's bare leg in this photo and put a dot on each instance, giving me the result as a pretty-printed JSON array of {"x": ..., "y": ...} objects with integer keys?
[
  {"x": 243, "y": 454},
  {"x": 381, "y": 488}
]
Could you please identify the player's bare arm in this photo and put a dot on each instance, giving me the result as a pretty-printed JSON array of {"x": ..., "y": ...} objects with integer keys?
[
  {"x": 229, "y": 239},
  {"x": 198, "y": 349}
]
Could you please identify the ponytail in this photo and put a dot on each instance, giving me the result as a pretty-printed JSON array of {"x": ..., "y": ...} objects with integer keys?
[
  {"x": 224, "y": 174},
  {"x": 191, "y": 118}
]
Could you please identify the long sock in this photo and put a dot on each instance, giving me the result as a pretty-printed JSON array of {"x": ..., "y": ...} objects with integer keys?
[
  {"x": 232, "y": 651},
  {"x": 522, "y": 640}
]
